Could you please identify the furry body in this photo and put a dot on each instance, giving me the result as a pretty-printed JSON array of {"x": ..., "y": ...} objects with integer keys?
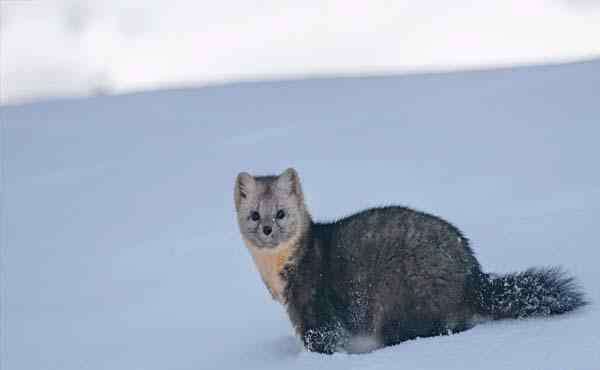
[{"x": 380, "y": 276}]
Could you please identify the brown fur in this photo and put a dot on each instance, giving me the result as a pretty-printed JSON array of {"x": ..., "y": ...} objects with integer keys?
[{"x": 270, "y": 263}]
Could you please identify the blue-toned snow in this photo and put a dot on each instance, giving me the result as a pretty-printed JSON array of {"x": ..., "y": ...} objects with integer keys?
[{"x": 120, "y": 248}]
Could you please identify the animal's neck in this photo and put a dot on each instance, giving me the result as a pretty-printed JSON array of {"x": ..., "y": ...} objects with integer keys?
[{"x": 271, "y": 263}]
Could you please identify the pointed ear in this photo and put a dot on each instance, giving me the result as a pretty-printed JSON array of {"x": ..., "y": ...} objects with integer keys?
[
  {"x": 289, "y": 182},
  {"x": 244, "y": 185}
]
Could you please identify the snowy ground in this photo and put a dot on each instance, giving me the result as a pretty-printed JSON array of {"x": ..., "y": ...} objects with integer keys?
[{"x": 120, "y": 248}]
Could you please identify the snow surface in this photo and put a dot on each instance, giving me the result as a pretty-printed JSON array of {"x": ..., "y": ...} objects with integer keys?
[{"x": 120, "y": 248}]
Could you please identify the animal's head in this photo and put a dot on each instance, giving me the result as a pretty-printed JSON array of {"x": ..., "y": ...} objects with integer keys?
[{"x": 270, "y": 209}]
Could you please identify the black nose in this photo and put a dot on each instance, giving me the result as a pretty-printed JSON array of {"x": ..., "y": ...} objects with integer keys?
[{"x": 267, "y": 230}]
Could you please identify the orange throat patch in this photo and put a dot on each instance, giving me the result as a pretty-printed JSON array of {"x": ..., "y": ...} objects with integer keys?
[{"x": 270, "y": 263}]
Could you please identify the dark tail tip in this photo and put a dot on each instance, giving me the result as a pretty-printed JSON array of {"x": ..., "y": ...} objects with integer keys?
[{"x": 535, "y": 292}]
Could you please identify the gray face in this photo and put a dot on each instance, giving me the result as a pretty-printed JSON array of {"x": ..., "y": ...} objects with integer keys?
[{"x": 270, "y": 209}]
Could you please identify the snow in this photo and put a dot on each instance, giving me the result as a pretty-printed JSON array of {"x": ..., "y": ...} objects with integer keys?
[{"x": 120, "y": 248}]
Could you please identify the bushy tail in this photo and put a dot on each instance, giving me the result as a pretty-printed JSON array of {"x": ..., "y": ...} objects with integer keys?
[{"x": 535, "y": 292}]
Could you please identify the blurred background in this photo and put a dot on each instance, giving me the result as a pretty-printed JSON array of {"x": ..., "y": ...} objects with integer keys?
[{"x": 78, "y": 48}]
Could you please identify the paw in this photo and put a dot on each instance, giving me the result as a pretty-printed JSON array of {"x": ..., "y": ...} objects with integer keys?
[{"x": 321, "y": 340}]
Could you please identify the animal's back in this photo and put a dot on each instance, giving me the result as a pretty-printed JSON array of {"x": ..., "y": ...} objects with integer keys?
[{"x": 395, "y": 268}]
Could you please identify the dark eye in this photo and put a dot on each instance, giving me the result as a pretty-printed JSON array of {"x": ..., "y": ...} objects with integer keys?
[
  {"x": 280, "y": 214},
  {"x": 254, "y": 216}
]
